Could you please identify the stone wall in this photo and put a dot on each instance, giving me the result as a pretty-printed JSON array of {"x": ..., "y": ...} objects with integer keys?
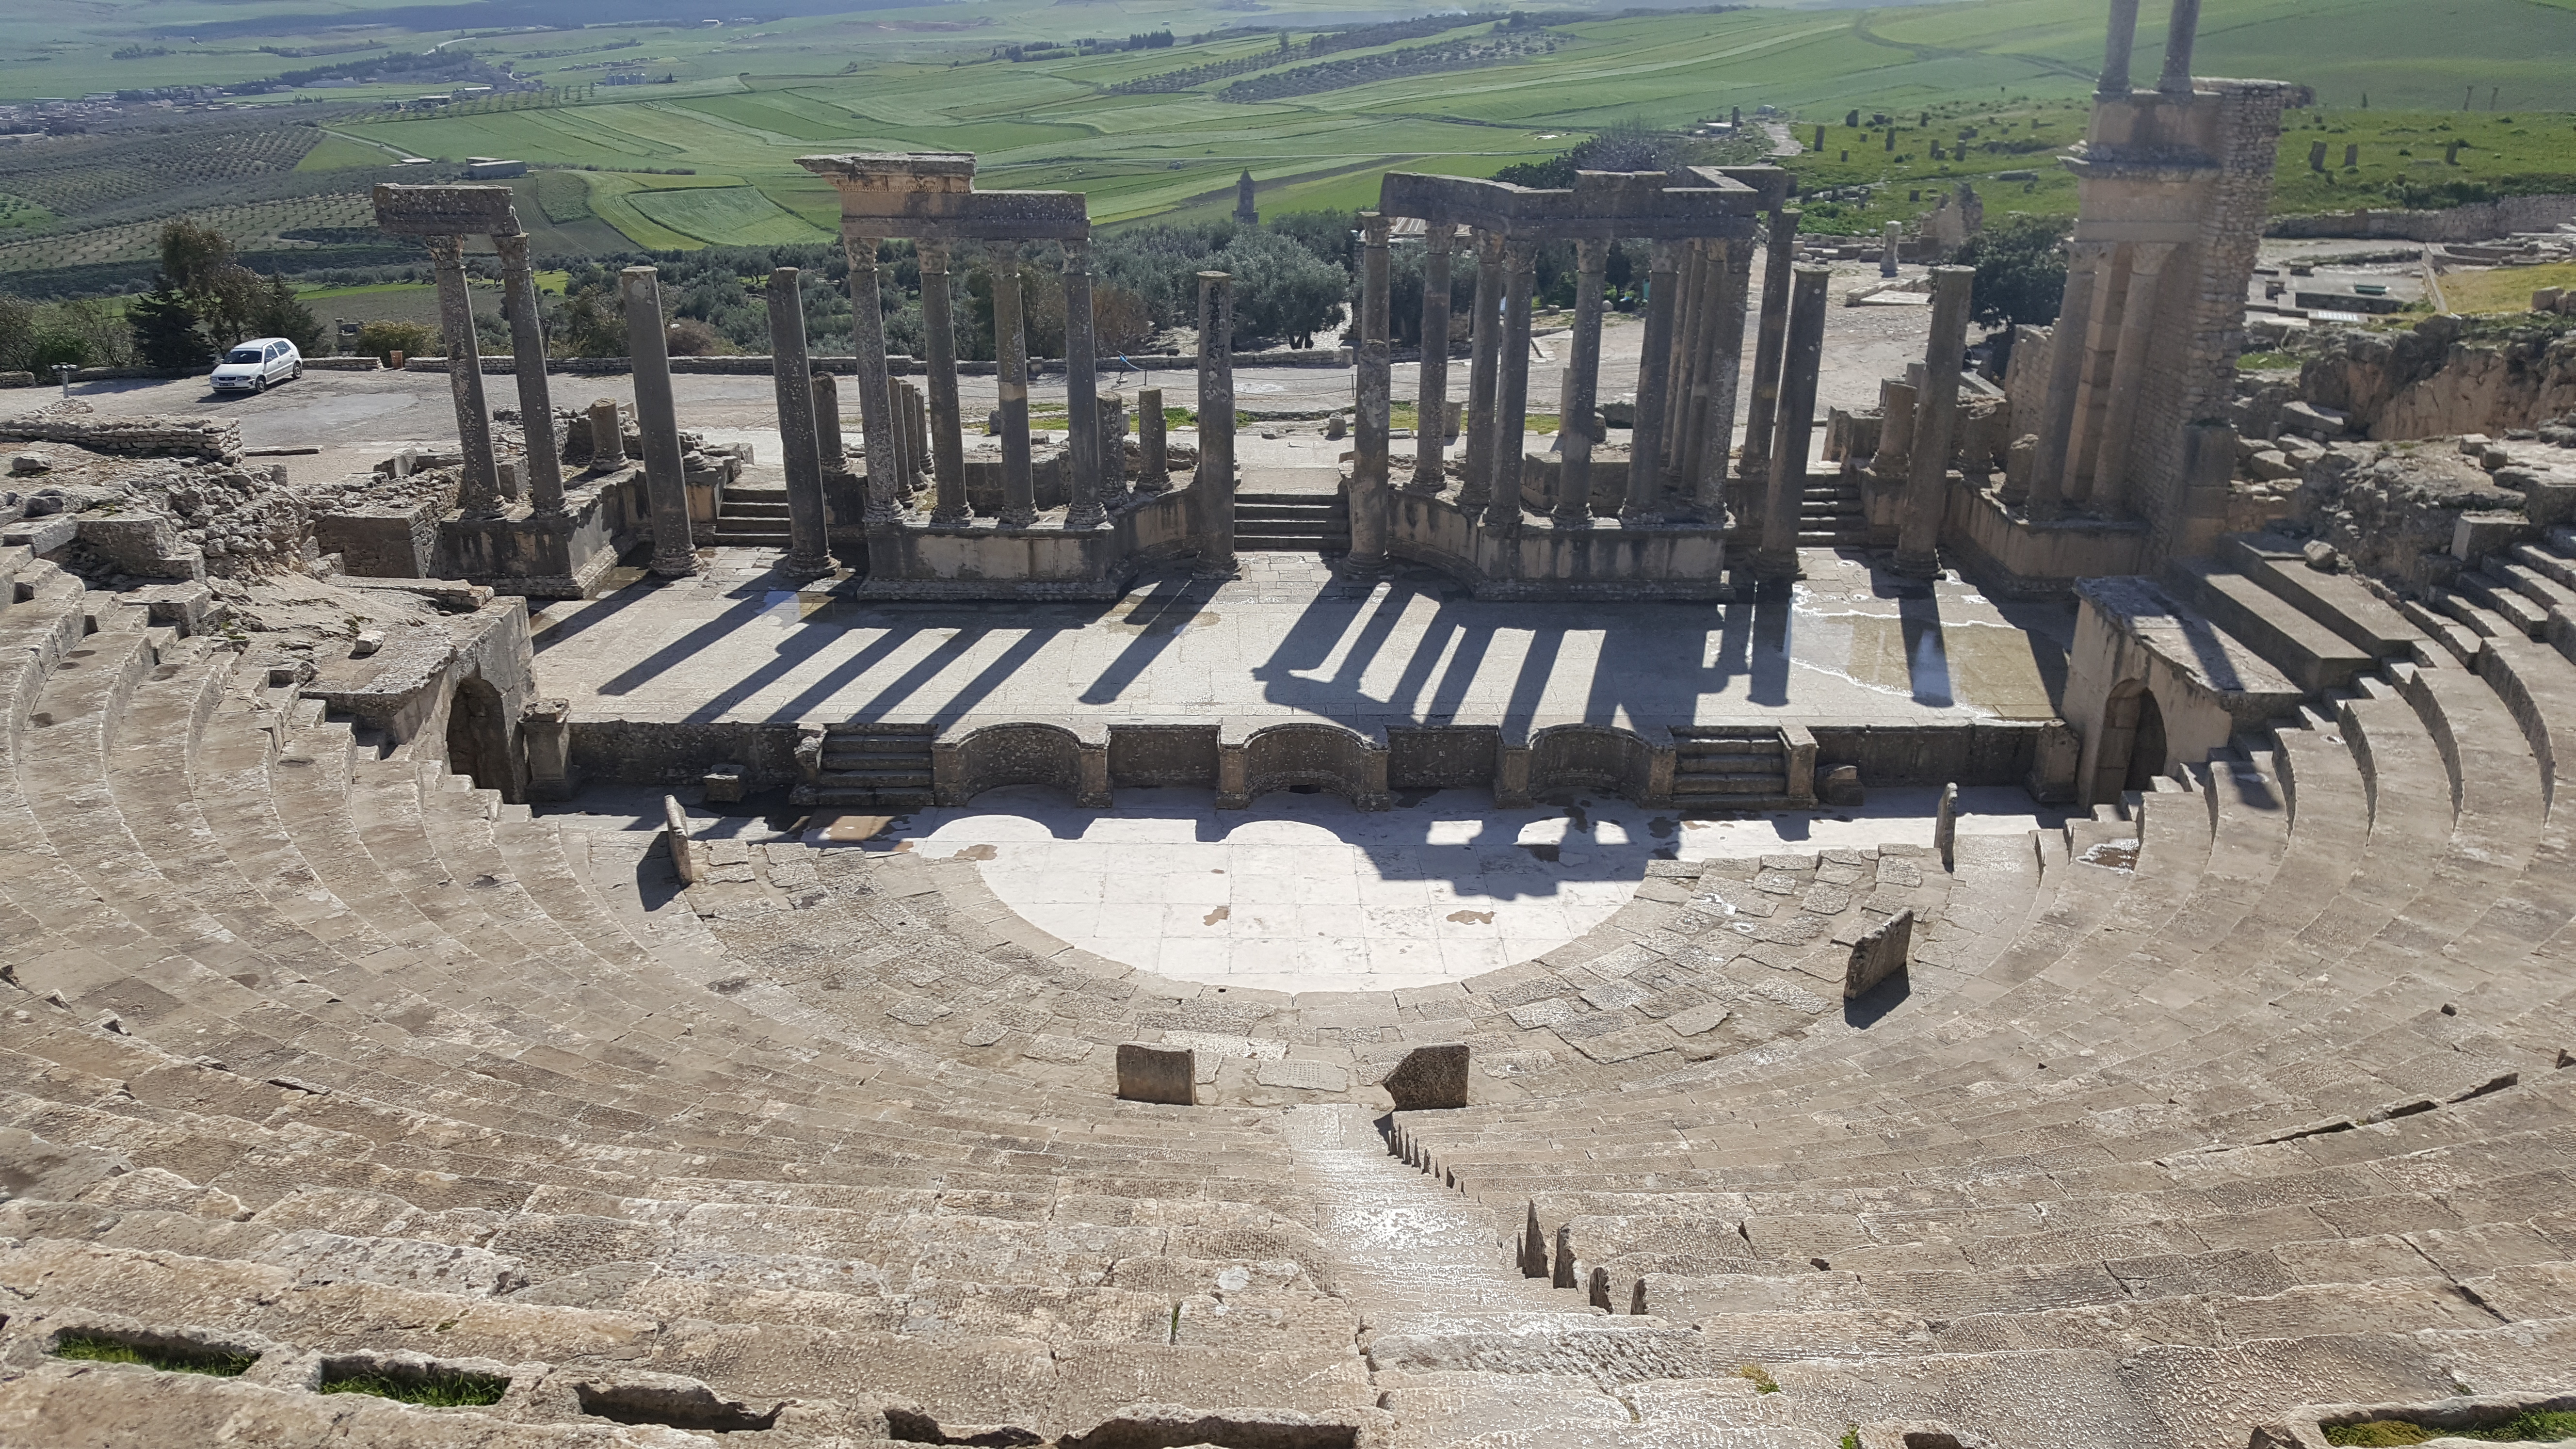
[
  {"x": 140, "y": 437},
  {"x": 2477, "y": 221},
  {"x": 2431, "y": 382}
]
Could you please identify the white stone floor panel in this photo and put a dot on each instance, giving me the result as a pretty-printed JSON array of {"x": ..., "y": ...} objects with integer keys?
[{"x": 1305, "y": 893}]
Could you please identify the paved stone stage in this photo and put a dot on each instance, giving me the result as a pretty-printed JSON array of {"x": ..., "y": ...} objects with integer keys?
[{"x": 1287, "y": 639}]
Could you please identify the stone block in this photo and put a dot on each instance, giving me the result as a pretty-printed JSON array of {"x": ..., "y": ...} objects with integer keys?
[
  {"x": 722, "y": 785},
  {"x": 1430, "y": 1078},
  {"x": 675, "y": 828},
  {"x": 1880, "y": 954},
  {"x": 2479, "y": 534},
  {"x": 2308, "y": 420},
  {"x": 21, "y": 464},
  {"x": 1840, "y": 786},
  {"x": 1157, "y": 1074},
  {"x": 42, "y": 535}
]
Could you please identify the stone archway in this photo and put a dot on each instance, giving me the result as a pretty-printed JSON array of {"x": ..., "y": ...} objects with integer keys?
[
  {"x": 2132, "y": 746},
  {"x": 478, "y": 737}
]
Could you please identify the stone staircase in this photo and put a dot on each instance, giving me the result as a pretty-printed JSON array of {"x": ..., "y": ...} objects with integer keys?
[
  {"x": 1292, "y": 522},
  {"x": 1729, "y": 767},
  {"x": 881, "y": 766},
  {"x": 1831, "y": 513},
  {"x": 752, "y": 515}
]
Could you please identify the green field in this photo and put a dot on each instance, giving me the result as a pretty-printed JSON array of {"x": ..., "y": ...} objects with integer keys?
[{"x": 709, "y": 158}]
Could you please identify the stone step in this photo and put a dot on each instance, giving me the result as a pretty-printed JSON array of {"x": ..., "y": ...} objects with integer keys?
[
  {"x": 2314, "y": 658},
  {"x": 2338, "y": 601},
  {"x": 745, "y": 508},
  {"x": 2501, "y": 602},
  {"x": 1730, "y": 784}
]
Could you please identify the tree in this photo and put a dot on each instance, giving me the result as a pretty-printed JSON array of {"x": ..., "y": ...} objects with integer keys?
[
  {"x": 275, "y": 311},
  {"x": 17, "y": 333},
  {"x": 588, "y": 324},
  {"x": 198, "y": 261},
  {"x": 2021, "y": 270},
  {"x": 411, "y": 339},
  {"x": 166, "y": 328},
  {"x": 1281, "y": 289}
]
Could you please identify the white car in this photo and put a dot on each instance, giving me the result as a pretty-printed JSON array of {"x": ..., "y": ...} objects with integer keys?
[{"x": 251, "y": 366}]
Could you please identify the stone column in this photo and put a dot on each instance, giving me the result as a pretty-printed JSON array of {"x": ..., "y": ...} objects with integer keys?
[
  {"x": 907, "y": 463},
  {"x": 528, "y": 360},
  {"x": 2181, "y": 29},
  {"x": 1755, "y": 467},
  {"x": 1677, "y": 376},
  {"x": 1726, "y": 344},
  {"x": 1895, "y": 234},
  {"x": 2128, "y": 376},
  {"x": 675, "y": 553},
  {"x": 1483, "y": 355},
  {"x": 1777, "y": 558},
  {"x": 2066, "y": 349},
  {"x": 916, "y": 425},
  {"x": 1081, "y": 396},
  {"x": 1112, "y": 434},
  {"x": 1431, "y": 424},
  {"x": 947, "y": 443},
  {"x": 1579, "y": 402},
  {"x": 480, "y": 489},
  {"x": 1373, "y": 386},
  {"x": 1511, "y": 388},
  {"x": 1927, "y": 495},
  {"x": 1215, "y": 484},
  {"x": 1893, "y": 460},
  {"x": 808, "y": 556},
  {"x": 827, "y": 424},
  {"x": 2093, "y": 374},
  {"x": 1153, "y": 457},
  {"x": 607, "y": 436},
  {"x": 1654, "y": 367},
  {"x": 1690, "y": 435},
  {"x": 2122, "y": 37},
  {"x": 880, "y": 430},
  {"x": 1011, "y": 376}
]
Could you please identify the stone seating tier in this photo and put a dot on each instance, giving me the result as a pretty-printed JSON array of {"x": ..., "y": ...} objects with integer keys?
[{"x": 2241, "y": 1095}]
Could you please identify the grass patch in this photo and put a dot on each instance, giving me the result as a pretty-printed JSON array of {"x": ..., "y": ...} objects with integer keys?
[
  {"x": 2542, "y": 1426},
  {"x": 1763, "y": 1383},
  {"x": 435, "y": 1389},
  {"x": 2265, "y": 361},
  {"x": 99, "y": 1348},
  {"x": 2504, "y": 289}
]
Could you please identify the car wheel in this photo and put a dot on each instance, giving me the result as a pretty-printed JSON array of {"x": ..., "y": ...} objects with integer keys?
[
  {"x": 298, "y": 374},
  {"x": 259, "y": 384}
]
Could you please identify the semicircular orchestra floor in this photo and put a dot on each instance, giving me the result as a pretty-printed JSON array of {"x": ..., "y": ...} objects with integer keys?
[{"x": 1304, "y": 893}]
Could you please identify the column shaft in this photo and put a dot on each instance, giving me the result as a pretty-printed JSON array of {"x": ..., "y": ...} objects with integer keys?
[
  {"x": 2181, "y": 29},
  {"x": 880, "y": 430},
  {"x": 1511, "y": 389},
  {"x": 1372, "y": 387},
  {"x": 1215, "y": 484},
  {"x": 1430, "y": 429},
  {"x": 1579, "y": 402},
  {"x": 1654, "y": 369},
  {"x": 666, "y": 490},
  {"x": 1726, "y": 343},
  {"x": 791, "y": 377},
  {"x": 2122, "y": 37},
  {"x": 607, "y": 436},
  {"x": 2128, "y": 378},
  {"x": 1769, "y": 338},
  {"x": 1927, "y": 495},
  {"x": 947, "y": 444},
  {"x": 1153, "y": 455},
  {"x": 1777, "y": 558},
  {"x": 2093, "y": 377},
  {"x": 1690, "y": 436},
  {"x": 528, "y": 361},
  {"x": 480, "y": 488},
  {"x": 827, "y": 424},
  {"x": 1689, "y": 298},
  {"x": 1011, "y": 377},
  {"x": 1081, "y": 397},
  {"x": 2066, "y": 345},
  {"x": 1483, "y": 353}
]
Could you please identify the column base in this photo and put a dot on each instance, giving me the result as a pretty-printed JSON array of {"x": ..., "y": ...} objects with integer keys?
[
  {"x": 1771, "y": 566},
  {"x": 957, "y": 517},
  {"x": 682, "y": 567},
  {"x": 1915, "y": 566},
  {"x": 1083, "y": 520},
  {"x": 796, "y": 568},
  {"x": 1216, "y": 569},
  {"x": 1360, "y": 569}
]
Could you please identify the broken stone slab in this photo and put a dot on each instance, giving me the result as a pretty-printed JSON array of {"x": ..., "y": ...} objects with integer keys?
[
  {"x": 1841, "y": 786},
  {"x": 675, "y": 827},
  {"x": 1148, "y": 1073},
  {"x": 1303, "y": 1076},
  {"x": 1945, "y": 827},
  {"x": 1880, "y": 954},
  {"x": 1430, "y": 1079},
  {"x": 26, "y": 463},
  {"x": 722, "y": 785},
  {"x": 2311, "y": 421}
]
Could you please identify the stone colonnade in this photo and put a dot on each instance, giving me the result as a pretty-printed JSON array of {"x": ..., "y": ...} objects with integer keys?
[
  {"x": 443, "y": 217},
  {"x": 930, "y": 200},
  {"x": 1701, "y": 225}
]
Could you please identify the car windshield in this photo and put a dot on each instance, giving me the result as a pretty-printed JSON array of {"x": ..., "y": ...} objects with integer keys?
[{"x": 244, "y": 354}]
